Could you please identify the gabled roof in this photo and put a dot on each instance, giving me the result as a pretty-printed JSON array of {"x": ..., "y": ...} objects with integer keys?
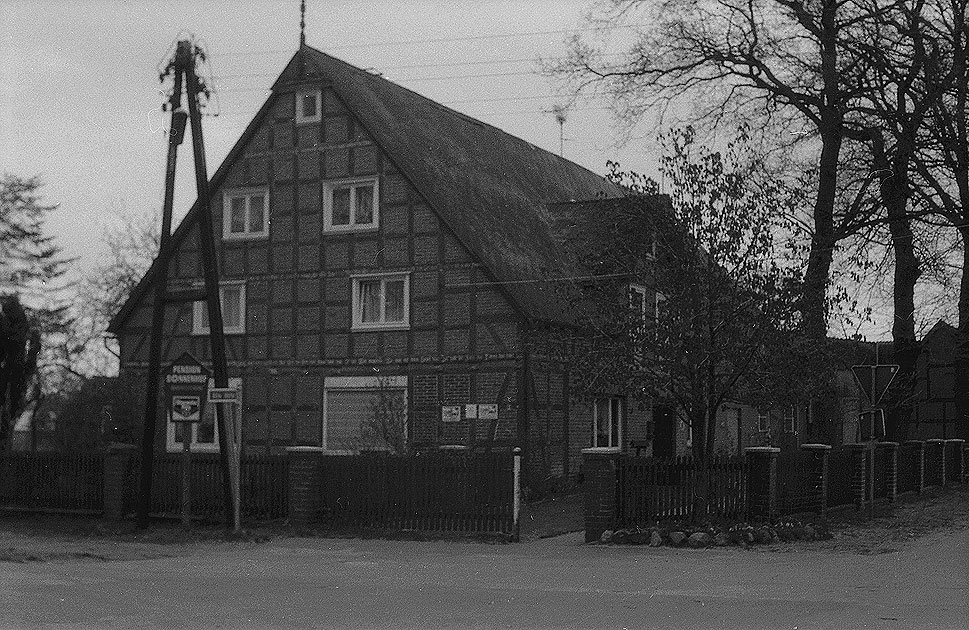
[{"x": 489, "y": 187}]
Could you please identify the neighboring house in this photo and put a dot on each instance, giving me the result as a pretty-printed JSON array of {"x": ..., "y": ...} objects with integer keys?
[
  {"x": 376, "y": 245},
  {"x": 935, "y": 407}
]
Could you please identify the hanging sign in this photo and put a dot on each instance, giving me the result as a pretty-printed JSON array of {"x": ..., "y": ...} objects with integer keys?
[{"x": 186, "y": 384}]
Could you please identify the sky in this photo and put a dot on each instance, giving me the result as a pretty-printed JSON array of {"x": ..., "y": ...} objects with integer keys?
[{"x": 80, "y": 98}]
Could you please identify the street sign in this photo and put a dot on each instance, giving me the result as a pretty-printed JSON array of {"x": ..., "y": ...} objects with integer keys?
[
  {"x": 874, "y": 380},
  {"x": 223, "y": 394},
  {"x": 186, "y": 382}
]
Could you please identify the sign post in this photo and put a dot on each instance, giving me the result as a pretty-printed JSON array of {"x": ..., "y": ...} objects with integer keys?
[
  {"x": 874, "y": 381},
  {"x": 228, "y": 399},
  {"x": 186, "y": 382}
]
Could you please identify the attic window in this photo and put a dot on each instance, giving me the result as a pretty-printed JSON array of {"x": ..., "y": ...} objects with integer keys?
[
  {"x": 245, "y": 213},
  {"x": 350, "y": 205},
  {"x": 308, "y": 106}
]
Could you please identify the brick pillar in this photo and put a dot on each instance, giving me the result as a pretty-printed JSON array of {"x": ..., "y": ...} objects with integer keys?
[
  {"x": 599, "y": 468},
  {"x": 917, "y": 463},
  {"x": 304, "y": 484},
  {"x": 935, "y": 462},
  {"x": 965, "y": 462},
  {"x": 859, "y": 472},
  {"x": 891, "y": 468},
  {"x": 819, "y": 474},
  {"x": 761, "y": 481},
  {"x": 953, "y": 467},
  {"x": 116, "y": 482}
]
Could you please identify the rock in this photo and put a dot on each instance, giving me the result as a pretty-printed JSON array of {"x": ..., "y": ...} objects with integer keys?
[
  {"x": 809, "y": 533},
  {"x": 800, "y": 533},
  {"x": 677, "y": 538},
  {"x": 606, "y": 536},
  {"x": 721, "y": 540},
  {"x": 761, "y": 535},
  {"x": 655, "y": 539},
  {"x": 638, "y": 537},
  {"x": 620, "y": 536},
  {"x": 786, "y": 534},
  {"x": 700, "y": 539}
]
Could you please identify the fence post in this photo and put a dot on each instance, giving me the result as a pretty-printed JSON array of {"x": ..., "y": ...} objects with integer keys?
[
  {"x": 820, "y": 474},
  {"x": 935, "y": 461},
  {"x": 954, "y": 466},
  {"x": 599, "y": 467},
  {"x": 115, "y": 488},
  {"x": 762, "y": 481},
  {"x": 304, "y": 483},
  {"x": 918, "y": 463},
  {"x": 516, "y": 498},
  {"x": 891, "y": 469},
  {"x": 965, "y": 462}
]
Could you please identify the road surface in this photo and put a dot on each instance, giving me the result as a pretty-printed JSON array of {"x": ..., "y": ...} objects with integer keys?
[{"x": 553, "y": 583}]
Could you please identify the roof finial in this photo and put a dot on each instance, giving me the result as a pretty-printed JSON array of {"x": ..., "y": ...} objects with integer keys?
[{"x": 302, "y": 23}]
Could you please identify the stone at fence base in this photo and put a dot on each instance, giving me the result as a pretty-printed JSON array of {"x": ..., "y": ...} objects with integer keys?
[
  {"x": 606, "y": 536},
  {"x": 655, "y": 539},
  {"x": 700, "y": 539},
  {"x": 721, "y": 540},
  {"x": 677, "y": 538}
]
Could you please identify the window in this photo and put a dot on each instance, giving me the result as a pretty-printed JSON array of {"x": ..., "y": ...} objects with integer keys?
[
  {"x": 381, "y": 301},
  {"x": 607, "y": 422},
  {"x": 233, "y": 298},
  {"x": 790, "y": 419},
  {"x": 689, "y": 432},
  {"x": 647, "y": 304},
  {"x": 365, "y": 413},
  {"x": 763, "y": 421},
  {"x": 308, "y": 106},
  {"x": 204, "y": 434},
  {"x": 245, "y": 214},
  {"x": 350, "y": 205}
]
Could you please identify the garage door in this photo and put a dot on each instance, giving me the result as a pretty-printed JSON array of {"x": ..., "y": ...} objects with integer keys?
[{"x": 361, "y": 418}]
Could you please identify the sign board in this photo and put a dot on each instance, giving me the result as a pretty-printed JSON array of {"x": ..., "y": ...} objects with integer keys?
[
  {"x": 223, "y": 395},
  {"x": 451, "y": 413},
  {"x": 186, "y": 382},
  {"x": 471, "y": 411},
  {"x": 871, "y": 425},
  {"x": 488, "y": 412},
  {"x": 186, "y": 409},
  {"x": 874, "y": 380}
]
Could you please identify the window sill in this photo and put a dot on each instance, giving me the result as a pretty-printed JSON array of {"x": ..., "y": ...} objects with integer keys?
[
  {"x": 225, "y": 331},
  {"x": 343, "y": 229},
  {"x": 196, "y": 448},
  {"x": 245, "y": 236},
  {"x": 378, "y": 327},
  {"x": 309, "y": 121}
]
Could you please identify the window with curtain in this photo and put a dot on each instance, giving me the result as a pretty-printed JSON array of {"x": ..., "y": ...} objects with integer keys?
[{"x": 381, "y": 301}]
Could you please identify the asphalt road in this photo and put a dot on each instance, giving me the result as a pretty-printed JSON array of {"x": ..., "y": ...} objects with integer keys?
[{"x": 555, "y": 583}]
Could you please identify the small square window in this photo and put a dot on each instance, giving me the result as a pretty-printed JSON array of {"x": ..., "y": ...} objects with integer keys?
[
  {"x": 350, "y": 205},
  {"x": 308, "y": 106},
  {"x": 233, "y": 299},
  {"x": 244, "y": 214},
  {"x": 381, "y": 301}
]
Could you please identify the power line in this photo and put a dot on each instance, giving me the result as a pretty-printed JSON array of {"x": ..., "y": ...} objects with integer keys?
[
  {"x": 437, "y": 40},
  {"x": 416, "y": 79}
]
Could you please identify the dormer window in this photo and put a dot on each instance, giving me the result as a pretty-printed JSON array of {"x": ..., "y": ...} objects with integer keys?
[
  {"x": 245, "y": 213},
  {"x": 308, "y": 106},
  {"x": 350, "y": 205}
]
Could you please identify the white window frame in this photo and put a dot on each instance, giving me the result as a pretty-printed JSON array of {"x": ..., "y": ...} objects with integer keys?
[
  {"x": 763, "y": 421},
  {"x": 176, "y": 447},
  {"x": 353, "y": 183},
  {"x": 595, "y": 422},
  {"x": 200, "y": 306},
  {"x": 360, "y": 383},
  {"x": 305, "y": 120},
  {"x": 357, "y": 322},
  {"x": 689, "y": 433},
  {"x": 247, "y": 193},
  {"x": 790, "y": 419},
  {"x": 642, "y": 291}
]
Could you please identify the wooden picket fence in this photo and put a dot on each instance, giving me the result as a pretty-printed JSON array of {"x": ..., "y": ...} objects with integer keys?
[
  {"x": 263, "y": 486},
  {"x": 681, "y": 488},
  {"x": 72, "y": 482},
  {"x": 467, "y": 492}
]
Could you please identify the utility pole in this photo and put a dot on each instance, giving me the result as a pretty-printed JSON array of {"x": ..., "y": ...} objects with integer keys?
[{"x": 183, "y": 68}]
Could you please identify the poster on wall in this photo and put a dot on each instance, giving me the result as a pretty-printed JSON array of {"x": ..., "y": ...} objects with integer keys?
[
  {"x": 471, "y": 411},
  {"x": 451, "y": 413},
  {"x": 488, "y": 412}
]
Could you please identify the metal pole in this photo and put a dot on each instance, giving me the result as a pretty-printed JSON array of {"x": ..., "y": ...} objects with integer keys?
[
  {"x": 186, "y": 474},
  {"x": 175, "y": 136},
  {"x": 220, "y": 368},
  {"x": 516, "y": 499}
]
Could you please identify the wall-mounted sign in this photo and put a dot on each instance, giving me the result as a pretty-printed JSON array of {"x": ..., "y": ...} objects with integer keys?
[
  {"x": 488, "y": 412},
  {"x": 471, "y": 411},
  {"x": 451, "y": 413},
  {"x": 186, "y": 409},
  {"x": 223, "y": 394}
]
